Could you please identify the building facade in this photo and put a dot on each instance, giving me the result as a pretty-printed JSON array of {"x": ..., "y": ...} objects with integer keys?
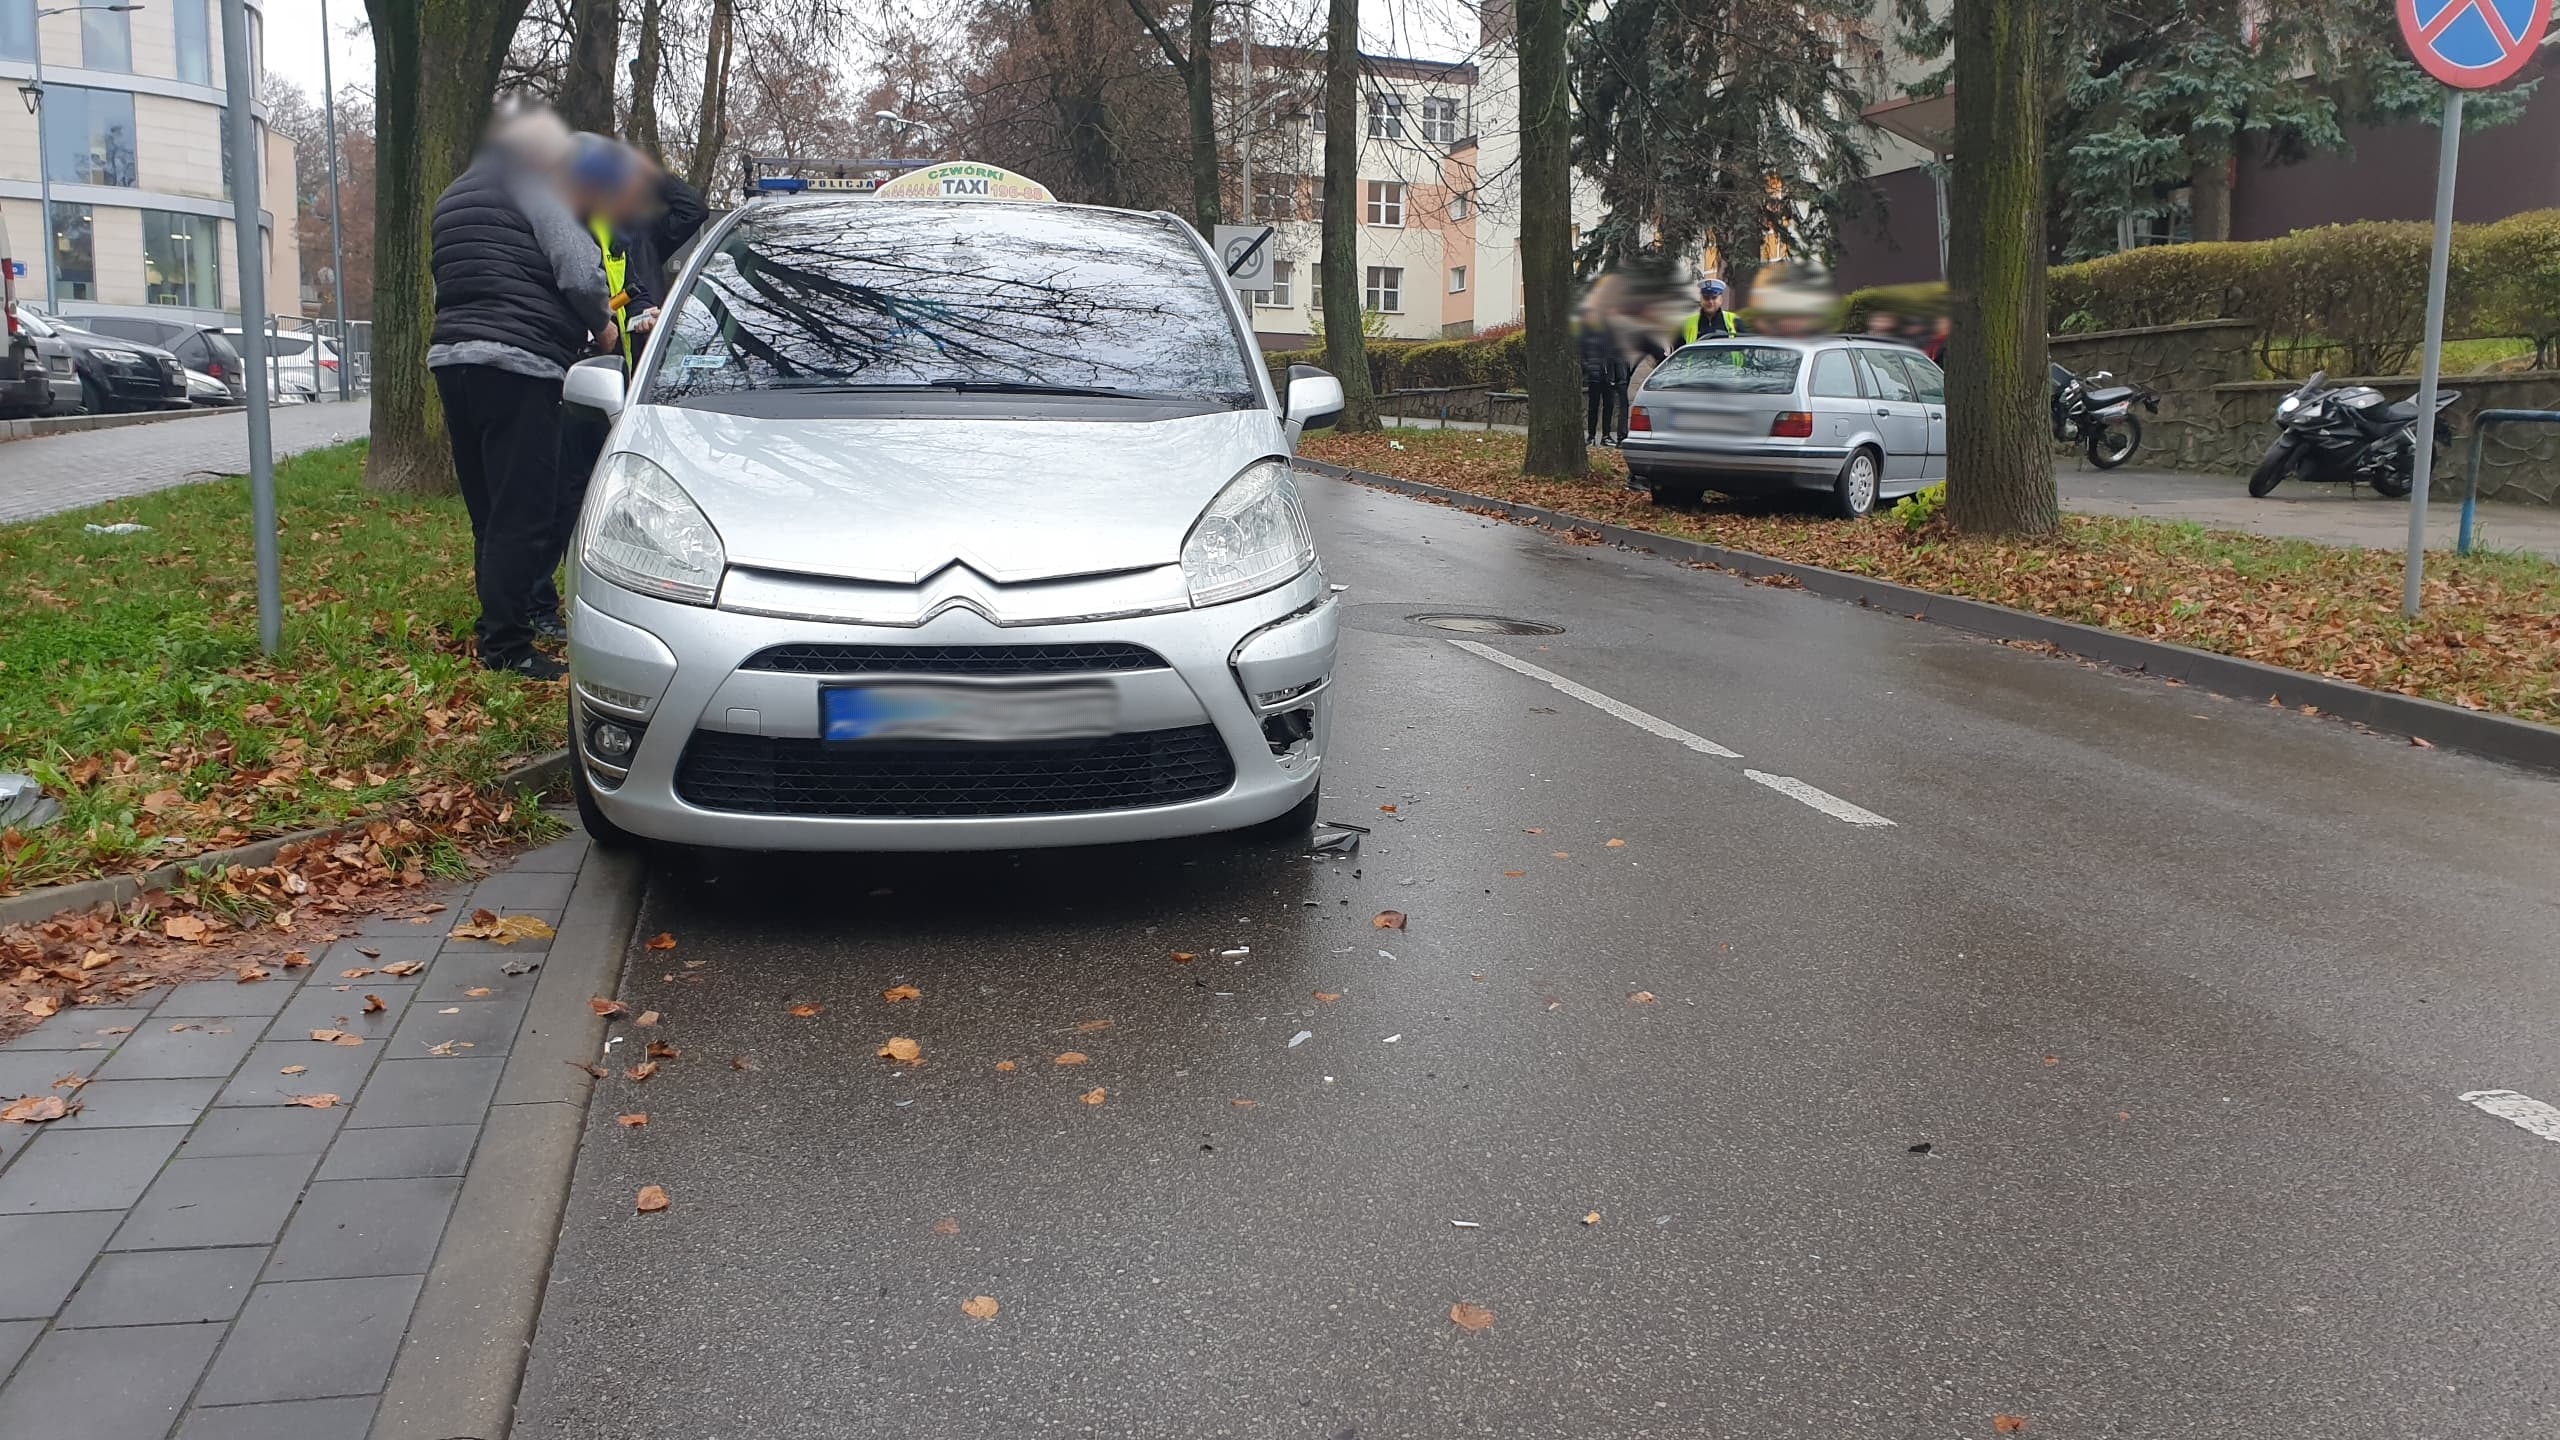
[
  {"x": 140, "y": 159},
  {"x": 1438, "y": 195}
]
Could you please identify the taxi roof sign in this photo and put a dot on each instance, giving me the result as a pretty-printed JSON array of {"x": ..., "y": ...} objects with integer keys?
[{"x": 963, "y": 180}]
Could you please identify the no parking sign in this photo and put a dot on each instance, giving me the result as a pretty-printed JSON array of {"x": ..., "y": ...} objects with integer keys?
[
  {"x": 2469, "y": 45},
  {"x": 2473, "y": 44}
]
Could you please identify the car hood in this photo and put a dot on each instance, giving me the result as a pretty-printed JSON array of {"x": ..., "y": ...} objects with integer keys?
[
  {"x": 84, "y": 341},
  {"x": 894, "y": 501}
]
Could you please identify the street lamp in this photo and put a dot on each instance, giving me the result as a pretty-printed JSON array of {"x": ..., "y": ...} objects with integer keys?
[
  {"x": 44, "y": 149},
  {"x": 904, "y": 125}
]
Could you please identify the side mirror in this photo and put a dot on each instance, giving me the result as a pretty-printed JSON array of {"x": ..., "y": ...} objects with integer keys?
[
  {"x": 1314, "y": 399},
  {"x": 594, "y": 384}
]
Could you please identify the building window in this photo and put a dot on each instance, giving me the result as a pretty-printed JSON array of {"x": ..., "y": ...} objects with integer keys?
[
  {"x": 1459, "y": 205},
  {"x": 1275, "y": 197},
  {"x": 91, "y": 133},
  {"x": 17, "y": 29},
  {"x": 180, "y": 264},
  {"x": 195, "y": 41},
  {"x": 1277, "y": 297},
  {"x": 1457, "y": 279},
  {"x": 1386, "y": 203},
  {"x": 75, "y": 254},
  {"x": 1440, "y": 120},
  {"x": 1386, "y": 116},
  {"x": 106, "y": 39},
  {"x": 1315, "y": 116},
  {"x": 1386, "y": 289}
]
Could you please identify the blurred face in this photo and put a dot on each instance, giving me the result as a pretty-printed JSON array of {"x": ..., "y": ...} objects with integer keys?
[{"x": 1711, "y": 300}]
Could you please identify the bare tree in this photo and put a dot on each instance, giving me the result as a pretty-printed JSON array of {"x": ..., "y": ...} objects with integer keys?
[
  {"x": 1999, "y": 465},
  {"x": 711, "y": 124},
  {"x": 1546, "y": 242},
  {"x": 648, "y": 61},
  {"x": 1346, "y": 348},
  {"x": 595, "y": 39},
  {"x": 1196, "y": 62}
]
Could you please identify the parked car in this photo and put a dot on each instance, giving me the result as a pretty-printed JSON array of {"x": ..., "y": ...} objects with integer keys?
[
  {"x": 122, "y": 374},
  {"x": 1858, "y": 420},
  {"x": 206, "y": 392},
  {"x": 948, "y": 525},
  {"x": 301, "y": 365},
  {"x": 36, "y": 374},
  {"x": 201, "y": 348}
]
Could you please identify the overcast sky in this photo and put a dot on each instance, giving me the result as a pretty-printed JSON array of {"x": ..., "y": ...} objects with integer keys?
[{"x": 1440, "y": 29}]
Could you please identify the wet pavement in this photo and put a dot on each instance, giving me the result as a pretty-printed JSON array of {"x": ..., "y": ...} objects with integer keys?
[{"x": 2115, "y": 1084}]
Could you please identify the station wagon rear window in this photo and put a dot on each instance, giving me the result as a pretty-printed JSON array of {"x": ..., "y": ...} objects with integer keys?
[{"x": 1735, "y": 369}]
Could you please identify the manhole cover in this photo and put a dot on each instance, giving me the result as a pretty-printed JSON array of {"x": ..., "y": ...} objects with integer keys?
[{"x": 1485, "y": 624}]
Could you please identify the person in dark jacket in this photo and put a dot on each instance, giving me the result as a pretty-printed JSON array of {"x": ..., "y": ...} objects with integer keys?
[
  {"x": 1713, "y": 321},
  {"x": 520, "y": 297},
  {"x": 1604, "y": 383},
  {"x": 639, "y": 215}
]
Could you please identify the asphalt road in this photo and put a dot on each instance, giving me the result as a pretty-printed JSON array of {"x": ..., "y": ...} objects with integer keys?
[{"x": 2180, "y": 993}]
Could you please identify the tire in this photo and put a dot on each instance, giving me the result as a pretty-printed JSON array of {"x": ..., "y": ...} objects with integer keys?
[
  {"x": 1668, "y": 494},
  {"x": 1290, "y": 827},
  {"x": 591, "y": 816},
  {"x": 93, "y": 397},
  {"x": 2272, "y": 469},
  {"x": 2101, "y": 439},
  {"x": 1853, "y": 492}
]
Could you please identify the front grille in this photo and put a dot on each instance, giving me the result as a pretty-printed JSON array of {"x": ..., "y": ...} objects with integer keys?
[
  {"x": 757, "y": 775},
  {"x": 822, "y": 659}
]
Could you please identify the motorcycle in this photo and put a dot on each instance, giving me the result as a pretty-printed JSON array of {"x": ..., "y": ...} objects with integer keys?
[
  {"x": 2347, "y": 436},
  {"x": 2088, "y": 411}
]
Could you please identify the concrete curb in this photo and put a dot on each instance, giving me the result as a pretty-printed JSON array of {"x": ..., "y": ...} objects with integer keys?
[
  {"x": 37, "y": 906},
  {"x": 2518, "y": 742},
  {"x": 37, "y": 427},
  {"x": 460, "y": 1365}
]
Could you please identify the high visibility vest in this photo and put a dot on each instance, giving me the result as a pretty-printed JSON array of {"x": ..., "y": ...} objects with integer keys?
[
  {"x": 617, "y": 270},
  {"x": 1724, "y": 323}
]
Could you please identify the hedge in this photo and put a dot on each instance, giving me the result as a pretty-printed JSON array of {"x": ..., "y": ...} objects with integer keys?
[
  {"x": 2358, "y": 288},
  {"x": 1495, "y": 360}
]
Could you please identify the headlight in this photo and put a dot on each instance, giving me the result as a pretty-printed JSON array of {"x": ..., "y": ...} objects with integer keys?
[
  {"x": 643, "y": 532},
  {"x": 1252, "y": 537},
  {"x": 118, "y": 357},
  {"x": 2291, "y": 404}
]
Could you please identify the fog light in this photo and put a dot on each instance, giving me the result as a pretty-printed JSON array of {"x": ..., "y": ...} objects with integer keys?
[{"x": 611, "y": 742}]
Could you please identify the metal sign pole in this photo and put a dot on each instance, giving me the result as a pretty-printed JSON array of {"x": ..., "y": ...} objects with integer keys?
[
  {"x": 337, "y": 245},
  {"x": 2431, "y": 356},
  {"x": 248, "y": 160}
]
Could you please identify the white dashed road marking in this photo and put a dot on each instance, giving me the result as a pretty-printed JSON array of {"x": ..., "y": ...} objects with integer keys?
[
  {"x": 2522, "y": 1111},
  {"x": 1652, "y": 724},
  {"x": 1787, "y": 785},
  {"x": 1822, "y": 800}
]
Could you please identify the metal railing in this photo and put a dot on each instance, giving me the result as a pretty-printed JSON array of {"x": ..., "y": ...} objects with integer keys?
[{"x": 2480, "y": 426}]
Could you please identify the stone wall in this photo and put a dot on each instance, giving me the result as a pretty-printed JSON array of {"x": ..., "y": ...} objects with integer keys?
[
  {"x": 2519, "y": 461},
  {"x": 2215, "y": 414}
]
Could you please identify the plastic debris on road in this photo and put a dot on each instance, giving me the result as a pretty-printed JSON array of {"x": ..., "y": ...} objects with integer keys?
[
  {"x": 23, "y": 804},
  {"x": 1301, "y": 1038}
]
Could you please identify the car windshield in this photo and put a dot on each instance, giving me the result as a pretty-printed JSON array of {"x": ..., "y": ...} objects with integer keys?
[
  {"x": 34, "y": 324},
  {"x": 879, "y": 296},
  {"x": 1739, "y": 369}
]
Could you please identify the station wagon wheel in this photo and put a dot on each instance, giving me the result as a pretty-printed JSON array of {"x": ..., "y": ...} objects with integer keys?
[{"x": 1854, "y": 493}]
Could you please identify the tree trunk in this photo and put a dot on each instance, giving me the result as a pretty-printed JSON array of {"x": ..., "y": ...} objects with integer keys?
[
  {"x": 1346, "y": 346},
  {"x": 586, "y": 91},
  {"x": 711, "y": 131},
  {"x": 647, "y": 63},
  {"x": 424, "y": 134},
  {"x": 2209, "y": 197},
  {"x": 1199, "y": 79},
  {"x": 1999, "y": 464},
  {"x": 1546, "y": 244}
]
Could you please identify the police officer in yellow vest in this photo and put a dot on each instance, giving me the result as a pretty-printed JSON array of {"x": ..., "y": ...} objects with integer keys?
[
  {"x": 617, "y": 279},
  {"x": 1713, "y": 321}
]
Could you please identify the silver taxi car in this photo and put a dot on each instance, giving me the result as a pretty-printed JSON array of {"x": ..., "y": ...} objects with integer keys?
[
  {"x": 947, "y": 525},
  {"x": 1861, "y": 421}
]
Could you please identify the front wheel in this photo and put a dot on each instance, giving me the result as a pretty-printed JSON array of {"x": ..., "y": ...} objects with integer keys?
[
  {"x": 2272, "y": 469},
  {"x": 591, "y": 816},
  {"x": 1672, "y": 494},
  {"x": 2113, "y": 444},
  {"x": 1853, "y": 494}
]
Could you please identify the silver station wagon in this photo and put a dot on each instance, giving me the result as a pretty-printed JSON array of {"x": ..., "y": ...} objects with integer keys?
[{"x": 1861, "y": 421}]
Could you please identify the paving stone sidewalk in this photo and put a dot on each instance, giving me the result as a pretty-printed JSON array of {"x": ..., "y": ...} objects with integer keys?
[
  {"x": 53, "y": 473},
  {"x": 193, "y": 1256}
]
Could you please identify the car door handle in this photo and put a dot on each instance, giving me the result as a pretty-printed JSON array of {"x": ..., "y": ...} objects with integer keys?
[
  {"x": 1937, "y": 415},
  {"x": 1886, "y": 413}
]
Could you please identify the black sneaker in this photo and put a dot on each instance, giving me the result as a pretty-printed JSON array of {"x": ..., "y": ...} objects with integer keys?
[
  {"x": 536, "y": 666},
  {"x": 550, "y": 627}
]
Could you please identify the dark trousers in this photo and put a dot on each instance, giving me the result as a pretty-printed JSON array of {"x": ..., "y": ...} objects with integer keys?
[
  {"x": 1604, "y": 410},
  {"x": 505, "y": 430},
  {"x": 581, "y": 446}
]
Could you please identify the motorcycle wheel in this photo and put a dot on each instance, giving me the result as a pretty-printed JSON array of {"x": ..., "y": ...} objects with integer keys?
[
  {"x": 2272, "y": 469},
  {"x": 2112, "y": 445}
]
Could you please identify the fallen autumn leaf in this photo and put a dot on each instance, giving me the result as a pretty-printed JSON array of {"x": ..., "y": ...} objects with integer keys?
[
  {"x": 1470, "y": 1318},
  {"x": 404, "y": 967},
  {"x": 1095, "y": 1096},
  {"x": 901, "y": 1049},
  {"x": 946, "y": 1226},
  {"x": 980, "y": 1307},
  {"x": 803, "y": 1012},
  {"x": 1092, "y": 1027},
  {"x": 632, "y": 1121},
  {"x": 250, "y": 972},
  {"x": 1006, "y": 1067},
  {"x": 1641, "y": 997},
  {"x": 662, "y": 941},
  {"x": 646, "y": 1019},
  {"x": 896, "y": 993},
  {"x": 2008, "y": 1424},
  {"x": 322, "y": 1101},
  {"x": 1389, "y": 920},
  {"x": 602, "y": 1006},
  {"x": 294, "y": 1070},
  {"x": 373, "y": 1005},
  {"x": 36, "y": 1109},
  {"x": 1073, "y": 1057},
  {"x": 653, "y": 1198},
  {"x": 641, "y": 1072}
]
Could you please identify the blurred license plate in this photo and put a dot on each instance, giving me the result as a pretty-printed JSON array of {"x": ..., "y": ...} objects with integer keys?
[
  {"x": 1716, "y": 421},
  {"x": 1065, "y": 711}
]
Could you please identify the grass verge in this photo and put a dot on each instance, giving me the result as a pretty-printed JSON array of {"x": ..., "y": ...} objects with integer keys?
[
  {"x": 2489, "y": 637},
  {"x": 132, "y": 686}
]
